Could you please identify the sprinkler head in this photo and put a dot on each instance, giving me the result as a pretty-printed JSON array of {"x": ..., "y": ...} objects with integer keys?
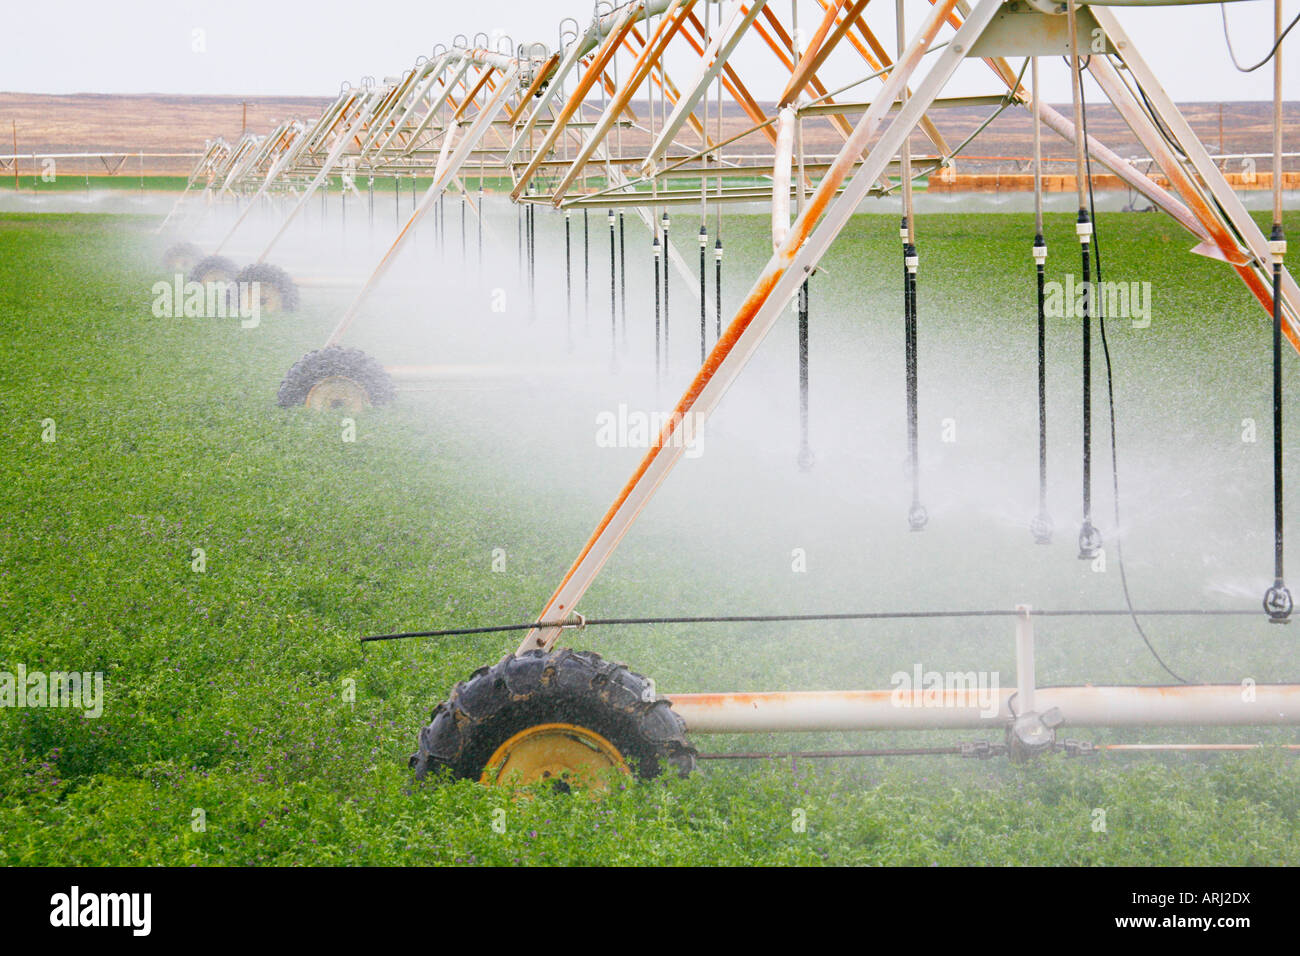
[
  {"x": 1041, "y": 528},
  {"x": 1278, "y": 604},
  {"x": 917, "y": 517},
  {"x": 1033, "y": 734},
  {"x": 1089, "y": 541}
]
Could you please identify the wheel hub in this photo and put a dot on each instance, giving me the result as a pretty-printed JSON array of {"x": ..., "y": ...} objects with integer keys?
[
  {"x": 268, "y": 298},
  {"x": 565, "y": 754},
  {"x": 337, "y": 391}
]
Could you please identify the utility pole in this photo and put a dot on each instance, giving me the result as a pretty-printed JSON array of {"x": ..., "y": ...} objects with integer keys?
[{"x": 244, "y": 128}]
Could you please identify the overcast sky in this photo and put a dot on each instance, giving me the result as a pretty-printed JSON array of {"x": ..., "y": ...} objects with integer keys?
[{"x": 252, "y": 47}]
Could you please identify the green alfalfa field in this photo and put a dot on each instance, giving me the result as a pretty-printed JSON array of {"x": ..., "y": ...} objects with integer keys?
[{"x": 243, "y": 723}]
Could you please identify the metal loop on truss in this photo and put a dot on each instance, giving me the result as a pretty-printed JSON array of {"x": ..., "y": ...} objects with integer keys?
[
  {"x": 568, "y": 34},
  {"x": 460, "y": 42},
  {"x": 487, "y": 40}
]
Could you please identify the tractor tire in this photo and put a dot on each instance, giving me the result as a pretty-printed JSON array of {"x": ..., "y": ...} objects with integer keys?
[
  {"x": 182, "y": 257},
  {"x": 336, "y": 377},
  {"x": 277, "y": 292},
  {"x": 561, "y": 698},
  {"x": 214, "y": 269}
]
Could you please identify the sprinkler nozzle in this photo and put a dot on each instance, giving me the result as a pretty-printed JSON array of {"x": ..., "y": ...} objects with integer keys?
[
  {"x": 917, "y": 517},
  {"x": 1277, "y": 603},
  {"x": 1089, "y": 541}
]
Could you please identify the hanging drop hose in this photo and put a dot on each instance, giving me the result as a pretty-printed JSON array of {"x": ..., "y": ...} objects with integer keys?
[
  {"x": 1278, "y": 603},
  {"x": 717, "y": 287},
  {"x": 1277, "y": 599},
  {"x": 568, "y": 282},
  {"x": 1089, "y": 536},
  {"x": 917, "y": 517},
  {"x": 532, "y": 261},
  {"x": 704, "y": 325},
  {"x": 1041, "y": 525},
  {"x": 667, "y": 360},
  {"x": 613, "y": 299},
  {"x": 586, "y": 272},
  {"x": 658, "y": 358},
  {"x": 622, "y": 279},
  {"x": 1110, "y": 404},
  {"x": 805, "y": 458}
]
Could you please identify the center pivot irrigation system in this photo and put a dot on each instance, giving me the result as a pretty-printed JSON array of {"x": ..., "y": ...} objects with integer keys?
[{"x": 600, "y": 123}]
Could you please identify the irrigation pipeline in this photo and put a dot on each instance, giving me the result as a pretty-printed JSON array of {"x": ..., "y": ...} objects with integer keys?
[
  {"x": 984, "y": 749},
  {"x": 579, "y": 622}
]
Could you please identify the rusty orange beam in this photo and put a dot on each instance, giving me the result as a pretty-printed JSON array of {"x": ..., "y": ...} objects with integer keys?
[
  {"x": 670, "y": 88},
  {"x": 882, "y": 60},
  {"x": 1263, "y": 291},
  {"x": 670, "y": 24},
  {"x": 611, "y": 89},
  {"x": 819, "y": 48},
  {"x": 600, "y": 59},
  {"x": 666, "y": 449},
  {"x": 786, "y": 57},
  {"x": 542, "y": 76},
  {"x": 732, "y": 83},
  {"x": 469, "y": 97}
]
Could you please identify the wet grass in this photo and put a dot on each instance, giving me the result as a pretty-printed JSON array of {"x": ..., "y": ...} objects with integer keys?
[{"x": 243, "y": 723}]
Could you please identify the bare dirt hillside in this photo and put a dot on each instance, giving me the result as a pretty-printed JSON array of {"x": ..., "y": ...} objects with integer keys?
[{"x": 181, "y": 124}]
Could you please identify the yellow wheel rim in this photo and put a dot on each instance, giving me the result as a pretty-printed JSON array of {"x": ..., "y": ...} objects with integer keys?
[
  {"x": 268, "y": 298},
  {"x": 337, "y": 391},
  {"x": 563, "y": 753}
]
